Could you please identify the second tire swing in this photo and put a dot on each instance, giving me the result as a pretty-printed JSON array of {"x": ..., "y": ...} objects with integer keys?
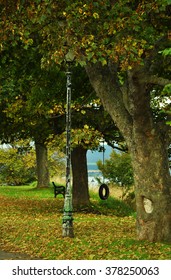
[{"x": 103, "y": 189}]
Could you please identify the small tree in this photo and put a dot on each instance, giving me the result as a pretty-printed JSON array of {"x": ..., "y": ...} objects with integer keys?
[
  {"x": 56, "y": 161},
  {"x": 17, "y": 167},
  {"x": 117, "y": 169}
]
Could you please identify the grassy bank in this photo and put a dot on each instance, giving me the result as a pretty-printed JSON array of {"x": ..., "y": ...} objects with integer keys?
[{"x": 31, "y": 223}]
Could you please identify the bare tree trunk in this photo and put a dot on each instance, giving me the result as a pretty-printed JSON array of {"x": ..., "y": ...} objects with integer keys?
[
  {"x": 42, "y": 165},
  {"x": 129, "y": 108},
  {"x": 80, "y": 177}
]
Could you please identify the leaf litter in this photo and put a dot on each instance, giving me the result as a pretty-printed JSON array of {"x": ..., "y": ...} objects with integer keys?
[{"x": 34, "y": 227}]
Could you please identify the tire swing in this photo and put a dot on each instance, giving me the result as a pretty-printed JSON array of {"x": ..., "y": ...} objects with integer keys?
[{"x": 103, "y": 189}]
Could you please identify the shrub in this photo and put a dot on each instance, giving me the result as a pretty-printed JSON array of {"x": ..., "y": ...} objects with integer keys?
[
  {"x": 17, "y": 167},
  {"x": 117, "y": 169}
]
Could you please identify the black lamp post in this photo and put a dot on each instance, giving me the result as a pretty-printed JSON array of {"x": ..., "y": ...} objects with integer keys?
[{"x": 67, "y": 226}]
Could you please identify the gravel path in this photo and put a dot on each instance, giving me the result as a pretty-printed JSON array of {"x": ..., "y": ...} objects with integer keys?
[{"x": 13, "y": 256}]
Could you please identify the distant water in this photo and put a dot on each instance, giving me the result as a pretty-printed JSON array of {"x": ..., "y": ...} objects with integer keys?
[
  {"x": 93, "y": 157},
  {"x": 93, "y": 171}
]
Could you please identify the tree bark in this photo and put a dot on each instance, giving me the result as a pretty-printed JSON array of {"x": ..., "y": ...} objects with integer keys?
[
  {"x": 42, "y": 165},
  {"x": 80, "y": 177},
  {"x": 149, "y": 149},
  {"x": 147, "y": 142},
  {"x": 152, "y": 187}
]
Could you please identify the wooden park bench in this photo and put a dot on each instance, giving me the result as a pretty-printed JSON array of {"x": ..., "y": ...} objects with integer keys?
[{"x": 58, "y": 190}]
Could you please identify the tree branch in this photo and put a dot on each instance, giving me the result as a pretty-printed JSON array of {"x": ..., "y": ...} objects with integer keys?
[
  {"x": 154, "y": 79},
  {"x": 105, "y": 82}
]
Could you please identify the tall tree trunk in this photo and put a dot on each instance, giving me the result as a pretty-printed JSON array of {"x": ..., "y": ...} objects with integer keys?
[
  {"x": 152, "y": 186},
  {"x": 149, "y": 149},
  {"x": 42, "y": 165},
  {"x": 130, "y": 109},
  {"x": 80, "y": 177}
]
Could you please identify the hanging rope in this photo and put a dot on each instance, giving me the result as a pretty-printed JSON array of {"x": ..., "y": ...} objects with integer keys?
[{"x": 103, "y": 189}]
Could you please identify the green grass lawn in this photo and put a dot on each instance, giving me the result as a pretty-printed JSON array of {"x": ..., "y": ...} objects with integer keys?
[{"x": 31, "y": 223}]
